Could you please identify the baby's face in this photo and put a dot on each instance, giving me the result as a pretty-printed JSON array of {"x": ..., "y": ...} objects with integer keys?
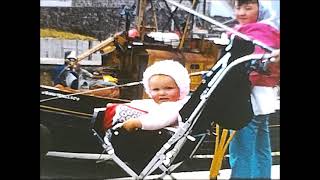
[{"x": 163, "y": 89}]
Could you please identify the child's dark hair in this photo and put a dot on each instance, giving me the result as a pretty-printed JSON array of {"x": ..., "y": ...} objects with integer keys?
[{"x": 241, "y": 2}]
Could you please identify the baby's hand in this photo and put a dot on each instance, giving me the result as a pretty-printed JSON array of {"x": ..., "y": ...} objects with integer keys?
[{"x": 131, "y": 125}]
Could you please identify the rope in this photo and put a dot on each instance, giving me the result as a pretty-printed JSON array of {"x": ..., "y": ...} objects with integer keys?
[{"x": 94, "y": 90}]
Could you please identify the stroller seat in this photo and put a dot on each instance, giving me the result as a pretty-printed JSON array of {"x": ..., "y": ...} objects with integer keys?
[{"x": 136, "y": 148}]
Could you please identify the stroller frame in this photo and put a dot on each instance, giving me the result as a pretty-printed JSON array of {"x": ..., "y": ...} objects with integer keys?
[
  {"x": 179, "y": 138},
  {"x": 164, "y": 158}
]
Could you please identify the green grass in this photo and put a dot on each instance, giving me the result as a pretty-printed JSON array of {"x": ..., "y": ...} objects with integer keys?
[{"x": 44, "y": 33}]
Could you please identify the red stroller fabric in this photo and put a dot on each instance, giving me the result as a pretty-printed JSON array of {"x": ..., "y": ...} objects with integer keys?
[{"x": 118, "y": 113}]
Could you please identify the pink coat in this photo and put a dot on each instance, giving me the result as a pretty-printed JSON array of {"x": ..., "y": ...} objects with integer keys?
[{"x": 271, "y": 37}]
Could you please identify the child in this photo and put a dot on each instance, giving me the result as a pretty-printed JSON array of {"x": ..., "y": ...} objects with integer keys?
[
  {"x": 167, "y": 83},
  {"x": 250, "y": 149}
]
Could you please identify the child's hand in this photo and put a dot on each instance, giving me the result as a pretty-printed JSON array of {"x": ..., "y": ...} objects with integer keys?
[
  {"x": 275, "y": 55},
  {"x": 131, "y": 125}
]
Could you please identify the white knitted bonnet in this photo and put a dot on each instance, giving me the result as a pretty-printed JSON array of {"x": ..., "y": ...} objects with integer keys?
[{"x": 170, "y": 68}]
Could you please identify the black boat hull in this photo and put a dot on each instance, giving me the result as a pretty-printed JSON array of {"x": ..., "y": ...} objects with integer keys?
[{"x": 68, "y": 120}]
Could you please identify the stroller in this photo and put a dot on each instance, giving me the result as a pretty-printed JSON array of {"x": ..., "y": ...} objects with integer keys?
[{"x": 223, "y": 98}]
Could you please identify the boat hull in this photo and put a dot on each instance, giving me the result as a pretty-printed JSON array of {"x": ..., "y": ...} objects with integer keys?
[{"x": 68, "y": 119}]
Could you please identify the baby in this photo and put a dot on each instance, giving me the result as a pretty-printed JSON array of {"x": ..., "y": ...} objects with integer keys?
[{"x": 167, "y": 83}]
